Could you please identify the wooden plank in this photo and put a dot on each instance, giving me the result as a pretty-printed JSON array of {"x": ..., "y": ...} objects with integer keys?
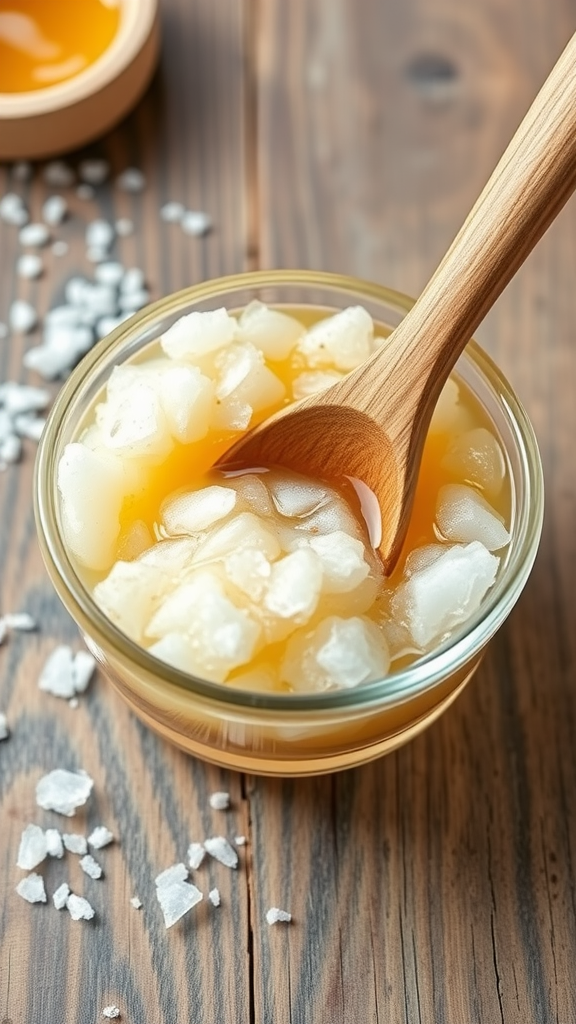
[
  {"x": 437, "y": 884},
  {"x": 188, "y": 137}
]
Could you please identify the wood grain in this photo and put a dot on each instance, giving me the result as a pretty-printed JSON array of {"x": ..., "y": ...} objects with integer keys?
[{"x": 438, "y": 884}]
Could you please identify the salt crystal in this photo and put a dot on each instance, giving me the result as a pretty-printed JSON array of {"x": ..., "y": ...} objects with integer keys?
[
  {"x": 57, "y": 174},
  {"x": 10, "y": 449},
  {"x": 194, "y": 511},
  {"x": 175, "y": 873},
  {"x": 29, "y": 266},
  {"x": 22, "y": 317},
  {"x": 90, "y": 866},
  {"x": 60, "y": 897},
  {"x": 22, "y": 398},
  {"x": 48, "y": 362},
  {"x": 54, "y": 210},
  {"x": 136, "y": 903},
  {"x": 100, "y": 837},
  {"x": 13, "y": 210},
  {"x": 214, "y": 897},
  {"x": 111, "y": 1012},
  {"x": 99, "y": 234},
  {"x": 4, "y": 730},
  {"x": 463, "y": 515},
  {"x": 172, "y": 212},
  {"x": 63, "y": 791},
  {"x": 83, "y": 670},
  {"x": 219, "y": 801},
  {"x": 196, "y": 854},
  {"x": 109, "y": 273},
  {"x": 133, "y": 280},
  {"x": 240, "y": 840},
  {"x": 133, "y": 301},
  {"x": 276, "y": 916},
  {"x": 79, "y": 908},
  {"x": 31, "y": 427},
  {"x": 75, "y": 843},
  {"x": 32, "y": 889},
  {"x": 34, "y": 235},
  {"x": 54, "y": 844},
  {"x": 59, "y": 247},
  {"x": 124, "y": 227},
  {"x": 32, "y": 850},
  {"x": 57, "y": 675},
  {"x": 96, "y": 254},
  {"x": 22, "y": 170},
  {"x": 219, "y": 848},
  {"x": 196, "y": 223},
  {"x": 85, "y": 192},
  {"x": 63, "y": 316},
  {"x": 344, "y": 340},
  {"x": 131, "y": 180},
  {"x": 94, "y": 171}
]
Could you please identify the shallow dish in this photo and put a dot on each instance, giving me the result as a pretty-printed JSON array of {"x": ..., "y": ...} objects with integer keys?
[
  {"x": 60, "y": 117},
  {"x": 290, "y": 734}
]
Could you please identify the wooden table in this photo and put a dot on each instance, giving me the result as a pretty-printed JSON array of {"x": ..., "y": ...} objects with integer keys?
[{"x": 438, "y": 885}]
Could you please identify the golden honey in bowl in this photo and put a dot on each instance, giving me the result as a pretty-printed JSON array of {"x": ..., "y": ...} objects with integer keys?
[
  {"x": 265, "y": 580},
  {"x": 43, "y": 42}
]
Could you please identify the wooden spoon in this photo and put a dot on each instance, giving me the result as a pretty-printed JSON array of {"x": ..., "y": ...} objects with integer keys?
[{"x": 371, "y": 426}]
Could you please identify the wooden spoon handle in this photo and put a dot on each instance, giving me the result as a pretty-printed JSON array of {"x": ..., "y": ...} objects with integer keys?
[{"x": 531, "y": 183}]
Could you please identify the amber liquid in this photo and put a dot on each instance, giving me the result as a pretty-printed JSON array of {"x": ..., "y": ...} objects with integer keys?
[{"x": 43, "y": 42}]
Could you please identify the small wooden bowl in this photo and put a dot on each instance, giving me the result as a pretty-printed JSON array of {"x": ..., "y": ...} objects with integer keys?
[{"x": 66, "y": 115}]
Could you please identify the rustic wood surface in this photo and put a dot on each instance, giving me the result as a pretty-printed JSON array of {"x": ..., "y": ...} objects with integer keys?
[{"x": 438, "y": 885}]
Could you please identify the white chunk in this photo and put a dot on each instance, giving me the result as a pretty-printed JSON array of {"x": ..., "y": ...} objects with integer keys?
[
  {"x": 344, "y": 566},
  {"x": 294, "y": 587},
  {"x": 344, "y": 340},
  {"x": 48, "y": 363},
  {"x": 172, "y": 557},
  {"x": 57, "y": 174},
  {"x": 79, "y": 908},
  {"x": 133, "y": 280},
  {"x": 54, "y": 210},
  {"x": 61, "y": 895},
  {"x": 463, "y": 515},
  {"x": 196, "y": 854},
  {"x": 63, "y": 791},
  {"x": 339, "y": 653},
  {"x": 197, "y": 334},
  {"x": 134, "y": 540},
  {"x": 231, "y": 414},
  {"x": 136, "y": 903},
  {"x": 22, "y": 317},
  {"x": 477, "y": 458},
  {"x": 172, "y": 212},
  {"x": 130, "y": 595},
  {"x": 219, "y": 848},
  {"x": 75, "y": 843},
  {"x": 29, "y": 266},
  {"x": 4, "y": 730},
  {"x": 10, "y": 449},
  {"x": 243, "y": 374},
  {"x": 273, "y": 333},
  {"x": 133, "y": 301},
  {"x": 277, "y": 916},
  {"x": 176, "y": 900},
  {"x": 32, "y": 889},
  {"x": 450, "y": 415},
  {"x": 244, "y": 531},
  {"x": 195, "y": 511},
  {"x": 124, "y": 227},
  {"x": 195, "y": 222},
  {"x": 111, "y": 1012},
  {"x": 240, "y": 840},
  {"x": 218, "y": 802},
  {"x": 91, "y": 487},
  {"x": 294, "y": 496},
  {"x": 248, "y": 570},
  {"x": 96, "y": 254},
  {"x": 311, "y": 382},
  {"x": 57, "y": 675},
  {"x": 252, "y": 492},
  {"x": 175, "y": 873},
  {"x": 109, "y": 273},
  {"x": 131, "y": 180},
  {"x": 439, "y": 597},
  {"x": 421, "y": 558},
  {"x": 83, "y": 670},
  {"x": 99, "y": 234},
  {"x": 62, "y": 316},
  {"x": 90, "y": 866},
  {"x": 214, "y": 897},
  {"x": 28, "y": 426},
  {"x": 94, "y": 171},
  {"x": 13, "y": 210},
  {"x": 134, "y": 424},
  {"x": 187, "y": 398},
  {"x": 33, "y": 848},
  {"x": 54, "y": 844},
  {"x": 100, "y": 837},
  {"x": 59, "y": 247},
  {"x": 34, "y": 235},
  {"x": 21, "y": 398}
]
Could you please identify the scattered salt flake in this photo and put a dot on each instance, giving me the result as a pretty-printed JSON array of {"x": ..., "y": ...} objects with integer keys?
[
  {"x": 32, "y": 849},
  {"x": 196, "y": 223},
  {"x": 219, "y": 848},
  {"x": 219, "y": 801},
  {"x": 83, "y": 670},
  {"x": 10, "y": 449},
  {"x": 175, "y": 873},
  {"x": 240, "y": 840},
  {"x": 29, "y": 426},
  {"x": 90, "y": 866},
  {"x": 60, "y": 897},
  {"x": 22, "y": 317},
  {"x": 124, "y": 227},
  {"x": 58, "y": 174},
  {"x": 4, "y": 730},
  {"x": 29, "y": 266},
  {"x": 196, "y": 854},
  {"x": 109, "y": 273},
  {"x": 54, "y": 210},
  {"x": 214, "y": 897},
  {"x": 32, "y": 889},
  {"x": 133, "y": 280},
  {"x": 57, "y": 675},
  {"x": 94, "y": 171},
  {"x": 172, "y": 212},
  {"x": 34, "y": 235},
  {"x": 75, "y": 843},
  {"x": 59, "y": 247},
  {"x": 79, "y": 908},
  {"x": 99, "y": 234},
  {"x": 136, "y": 903},
  {"x": 20, "y": 621},
  {"x": 131, "y": 180},
  {"x": 13, "y": 210},
  {"x": 22, "y": 398},
  {"x": 54, "y": 844},
  {"x": 63, "y": 791},
  {"x": 99, "y": 837},
  {"x": 463, "y": 515},
  {"x": 275, "y": 916},
  {"x": 175, "y": 896},
  {"x": 85, "y": 192},
  {"x": 73, "y": 703},
  {"x": 111, "y": 1012}
]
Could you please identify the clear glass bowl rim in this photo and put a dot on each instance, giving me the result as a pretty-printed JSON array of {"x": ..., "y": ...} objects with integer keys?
[{"x": 395, "y": 688}]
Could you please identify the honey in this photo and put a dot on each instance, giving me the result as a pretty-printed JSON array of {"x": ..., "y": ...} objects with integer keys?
[{"x": 44, "y": 42}]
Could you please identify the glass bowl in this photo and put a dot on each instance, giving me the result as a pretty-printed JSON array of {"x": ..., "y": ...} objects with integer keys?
[{"x": 287, "y": 734}]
